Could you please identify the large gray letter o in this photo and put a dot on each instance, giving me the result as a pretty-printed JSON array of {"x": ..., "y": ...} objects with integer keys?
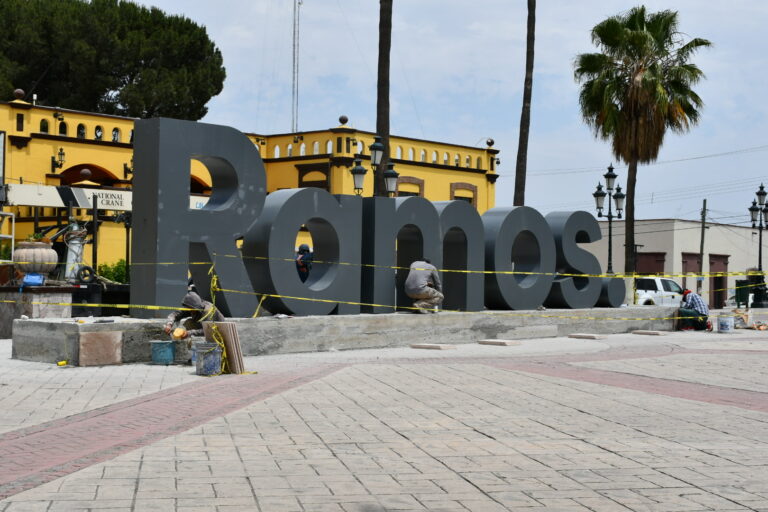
[{"x": 517, "y": 240}]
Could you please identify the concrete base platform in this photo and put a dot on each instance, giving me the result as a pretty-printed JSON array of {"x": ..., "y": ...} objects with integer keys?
[{"x": 52, "y": 340}]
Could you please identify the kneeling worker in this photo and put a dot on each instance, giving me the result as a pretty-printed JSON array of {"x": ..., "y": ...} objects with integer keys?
[
  {"x": 197, "y": 310},
  {"x": 694, "y": 313},
  {"x": 423, "y": 284}
]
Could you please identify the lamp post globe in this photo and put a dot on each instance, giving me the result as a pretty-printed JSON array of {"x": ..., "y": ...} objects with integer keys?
[
  {"x": 619, "y": 197},
  {"x": 599, "y": 196},
  {"x": 610, "y": 178},
  {"x": 358, "y": 176},
  {"x": 390, "y": 179},
  {"x": 377, "y": 151}
]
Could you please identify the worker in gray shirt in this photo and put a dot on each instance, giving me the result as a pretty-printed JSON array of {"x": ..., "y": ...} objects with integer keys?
[{"x": 423, "y": 284}]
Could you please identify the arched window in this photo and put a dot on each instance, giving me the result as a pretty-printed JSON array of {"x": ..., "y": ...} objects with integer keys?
[
  {"x": 43, "y": 126},
  {"x": 329, "y": 147},
  {"x": 277, "y": 151},
  {"x": 446, "y": 158},
  {"x": 289, "y": 150},
  {"x": 457, "y": 160},
  {"x": 302, "y": 149},
  {"x": 63, "y": 128},
  {"x": 131, "y": 138},
  {"x": 423, "y": 155},
  {"x": 410, "y": 154},
  {"x": 81, "y": 131},
  {"x": 434, "y": 157},
  {"x": 360, "y": 148},
  {"x": 115, "y": 134},
  {"x": 399, "y": 152},
  {"x": 316, "y": 148},
  {"x": 468, "y": 161},
  {"x": 464, "y": 192},
  {"x": 479, "y": 162},
  {"x": 98, "y": 133}
]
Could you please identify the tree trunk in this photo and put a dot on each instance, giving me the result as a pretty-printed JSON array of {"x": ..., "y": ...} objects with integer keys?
[
  {"x": 382, "y": 91},
  {"x": 525, "y": 114},
  {"x": 629, "y": 225}
]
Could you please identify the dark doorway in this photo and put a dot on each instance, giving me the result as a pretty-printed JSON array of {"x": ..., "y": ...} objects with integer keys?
[
  {"x": 718, "y": 285},
  {"x": 690, "y": 266},
  {"x": 650, "y": 262}
]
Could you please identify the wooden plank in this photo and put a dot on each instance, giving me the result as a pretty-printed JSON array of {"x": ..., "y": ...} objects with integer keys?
[
  {"x": 433, "y": 346},
  {"x": 649, "y": 333}
]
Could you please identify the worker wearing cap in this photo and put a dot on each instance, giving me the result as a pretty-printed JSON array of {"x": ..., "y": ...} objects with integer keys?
[{"x": 694, "y": 313}]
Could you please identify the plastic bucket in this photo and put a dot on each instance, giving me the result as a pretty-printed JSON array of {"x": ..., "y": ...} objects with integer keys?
[
  {"x": 163, "y": 352},
  {"x": 725, "y": 324},
  {"x": 208, "y": 357}
]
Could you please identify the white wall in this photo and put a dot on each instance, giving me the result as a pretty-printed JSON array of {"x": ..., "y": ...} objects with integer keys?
[{"x": 675, "y": 237}]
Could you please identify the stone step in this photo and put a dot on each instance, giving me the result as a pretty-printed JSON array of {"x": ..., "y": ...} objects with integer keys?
[{"x": 500, "y": 343}]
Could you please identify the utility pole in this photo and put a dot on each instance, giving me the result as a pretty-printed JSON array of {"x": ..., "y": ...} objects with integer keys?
[
  {"x": 295, "y": 90},
  {"x": 700, "y": 278}
]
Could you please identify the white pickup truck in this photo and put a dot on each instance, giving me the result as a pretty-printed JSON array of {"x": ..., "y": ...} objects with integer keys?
[{"x": 658, "y": 291}]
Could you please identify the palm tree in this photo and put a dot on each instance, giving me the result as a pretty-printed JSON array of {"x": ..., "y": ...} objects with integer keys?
[
  {"x": 636, "y": 88},
  {"x": 382, "y": 91},
  {"x": 525, "y": 114}
]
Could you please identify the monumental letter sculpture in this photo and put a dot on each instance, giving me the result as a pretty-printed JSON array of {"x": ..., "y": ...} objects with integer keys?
[{"x": 510, "y": 258}]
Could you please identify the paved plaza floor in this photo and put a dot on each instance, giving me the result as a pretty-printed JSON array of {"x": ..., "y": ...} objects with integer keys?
[{"x": 646, "y": 423}]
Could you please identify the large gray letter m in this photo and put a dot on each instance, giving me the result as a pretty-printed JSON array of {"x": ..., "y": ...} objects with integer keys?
[{"x": 168, "y": 234}]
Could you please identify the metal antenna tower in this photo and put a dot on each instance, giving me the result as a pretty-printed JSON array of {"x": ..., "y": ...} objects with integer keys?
[{"x": 295, "y": 90}]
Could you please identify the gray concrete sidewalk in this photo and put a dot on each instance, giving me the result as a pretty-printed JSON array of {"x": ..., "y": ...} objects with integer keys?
[{"x": 552, "y": 424}]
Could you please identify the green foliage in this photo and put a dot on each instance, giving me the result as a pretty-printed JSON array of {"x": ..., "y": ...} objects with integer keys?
[
  {"x": 640, "y": 85},
  {"x": 115, "y": 272},
  {"x": 108, "y": 56},
  {"x": 5, "y": 250}
]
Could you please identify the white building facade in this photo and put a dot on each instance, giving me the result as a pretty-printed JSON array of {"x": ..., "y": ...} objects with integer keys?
[{"x": 671, "y": 247}]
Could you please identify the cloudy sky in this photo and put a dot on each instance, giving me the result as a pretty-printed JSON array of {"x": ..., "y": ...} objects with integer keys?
[{"x": 457, "y": 74}]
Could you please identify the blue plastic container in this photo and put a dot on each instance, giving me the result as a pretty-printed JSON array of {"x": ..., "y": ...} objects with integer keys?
[
  {"x": 163, "y": 352},
  {"x": 208, "y": 358}
]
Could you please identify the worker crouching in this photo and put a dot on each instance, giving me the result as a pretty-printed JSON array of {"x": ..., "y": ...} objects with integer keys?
[{"x": 423, "y": 284}]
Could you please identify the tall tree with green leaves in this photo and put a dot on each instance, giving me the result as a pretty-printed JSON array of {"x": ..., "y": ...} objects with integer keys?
[
  {"x": 109, "y": 56},
  {"x": 521, "y": 166},
  {"x": 636, "y": 88},
  {"x": 382, "y": 90}
]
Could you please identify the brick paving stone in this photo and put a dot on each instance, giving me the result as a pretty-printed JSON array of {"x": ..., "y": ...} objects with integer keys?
[{"x": 537, "y": 432}]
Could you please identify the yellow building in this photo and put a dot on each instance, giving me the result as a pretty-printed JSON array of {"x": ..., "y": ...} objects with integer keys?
[{"x": 53, "y": 157}]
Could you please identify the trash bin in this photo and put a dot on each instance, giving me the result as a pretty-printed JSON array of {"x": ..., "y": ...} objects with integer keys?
[
  {"x": 208, "y": 357},
  {"x": 742, "y": 292}
]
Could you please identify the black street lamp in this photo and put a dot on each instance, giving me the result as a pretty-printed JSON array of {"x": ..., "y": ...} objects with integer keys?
[
  {"x": 618, "y": 196},
  {"x": 58, "y": 163},
  {"x": 390, "y": 175},
  {"x": 758, "y": 213}
]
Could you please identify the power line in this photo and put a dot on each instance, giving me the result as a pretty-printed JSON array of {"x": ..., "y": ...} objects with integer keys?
[{"x": 581, "y": 170}]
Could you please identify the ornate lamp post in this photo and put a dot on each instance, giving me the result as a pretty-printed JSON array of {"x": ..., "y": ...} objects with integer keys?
[
  {"x": 618, "y": 196},
  {"x": 390, "y": 175},
  {"x": 758, "y": 213}
]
